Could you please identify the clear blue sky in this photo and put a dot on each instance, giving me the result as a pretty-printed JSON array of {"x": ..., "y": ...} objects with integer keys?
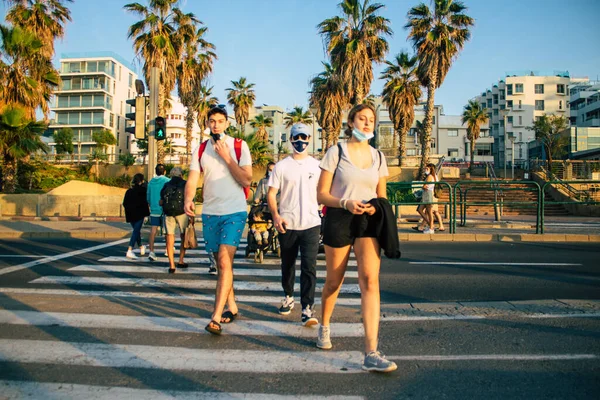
[{"x": 275, "y": 44}]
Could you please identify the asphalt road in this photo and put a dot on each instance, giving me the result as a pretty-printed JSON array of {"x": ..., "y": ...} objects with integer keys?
[{"x": 462, "y": 320}]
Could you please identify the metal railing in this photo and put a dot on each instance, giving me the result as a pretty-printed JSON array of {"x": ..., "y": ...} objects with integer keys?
[{"x": 589, "y": 199}]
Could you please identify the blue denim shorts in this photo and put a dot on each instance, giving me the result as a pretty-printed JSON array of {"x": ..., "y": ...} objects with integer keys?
[
  {"x": 156, "y": 221},
  {"x": 223, "y": 229}
]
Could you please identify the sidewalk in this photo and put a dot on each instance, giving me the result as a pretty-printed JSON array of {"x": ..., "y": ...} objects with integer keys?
[{"x": 479, "y": 229}]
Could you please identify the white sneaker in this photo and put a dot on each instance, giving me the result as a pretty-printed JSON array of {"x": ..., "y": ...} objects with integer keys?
[
  {"x": 308, "y": 318},
  {"x": 142, "y": 250},
  {"x": 428, "y": 231},
  {"x": 130, "y": 254},
  {"x": 324, "y": 341},
  {"x": 287, "y": 305},
  {"x": 152, "y": 256}
]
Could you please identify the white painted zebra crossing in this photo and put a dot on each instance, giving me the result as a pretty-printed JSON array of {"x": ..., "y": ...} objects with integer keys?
[{"x": 206, "y": 260}]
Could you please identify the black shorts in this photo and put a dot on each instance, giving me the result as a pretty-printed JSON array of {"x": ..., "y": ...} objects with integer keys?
[{"x": 341, "y": 227}]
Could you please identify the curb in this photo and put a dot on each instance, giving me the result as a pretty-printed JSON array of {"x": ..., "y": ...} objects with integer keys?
[{"x": 404, "y": 237}]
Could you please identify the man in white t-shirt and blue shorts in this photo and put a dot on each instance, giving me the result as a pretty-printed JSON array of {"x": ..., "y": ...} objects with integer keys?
[
  {"x": 297, "y": 220},
  {"x": 224, "y": 211}
]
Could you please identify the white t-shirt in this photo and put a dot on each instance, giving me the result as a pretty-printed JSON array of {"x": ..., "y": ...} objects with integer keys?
[
  {"x": 222, "y": 194},
  {"x": 351, "y": 182},
  {"x": 297, "y": 182}
]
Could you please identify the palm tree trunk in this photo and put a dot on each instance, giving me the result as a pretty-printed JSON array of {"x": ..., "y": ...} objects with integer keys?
[
  {"x": 401, "y": 146},
  {"x": 9, "y": 174},
  {"x": 426, "y": 141},
  {"x": 395, "y": 139},
  {"x": 189, "y": 123},
  {"x": 472, "y": 156}
]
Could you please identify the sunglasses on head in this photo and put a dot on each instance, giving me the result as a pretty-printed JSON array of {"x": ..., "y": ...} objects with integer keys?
[
  {"x": 219, "y": 106},
  {"x": 300, "y": 136}
]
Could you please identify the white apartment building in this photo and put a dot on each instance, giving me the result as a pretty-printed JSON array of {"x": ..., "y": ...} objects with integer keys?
[
  {"x": 585, "y": 104},
  {"x": 515, "y": 102},
  {"x": 176, "y": 128},
  {"x": 91, "y": 97}
]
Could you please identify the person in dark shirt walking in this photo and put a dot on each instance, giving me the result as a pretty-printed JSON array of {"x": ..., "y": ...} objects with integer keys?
[{"x": 136, "y": 209}]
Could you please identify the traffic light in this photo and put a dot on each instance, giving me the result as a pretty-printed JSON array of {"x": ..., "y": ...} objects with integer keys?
[
  {"x": 139, "y": 116},
  {"x": 160, "y": 128}
]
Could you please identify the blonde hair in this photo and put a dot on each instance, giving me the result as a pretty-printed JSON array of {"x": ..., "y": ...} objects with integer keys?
[{"x": 355, "y": 110}]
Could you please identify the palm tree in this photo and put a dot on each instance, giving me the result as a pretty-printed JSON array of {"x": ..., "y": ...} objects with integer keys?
[
  {"x": 547, "y": 129},
  {"x": 241, "y": 97},
  {"x": 401, "y": 93},
  {"x": 261, "y": 123},
  {"x": 204, "y": 103},
  {"x": 354, "y": 41},
  {"x": 328, "y": 100},
  {"x": 159, "y": 39},
  {"x": 195, "y": 66},
  {"x": 474, "y": 116},
  {"x": 44, "y": 18},
  {"x": 19, "y": 137},
  {"x": 27, "y": 77},
  {"x": 437, "y": 36},
  {"x": 298, "y": 115}
]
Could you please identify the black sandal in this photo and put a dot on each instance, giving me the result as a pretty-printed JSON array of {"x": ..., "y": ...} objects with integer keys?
[
  {"x": 172, "y": 270},
  {"x": 210, "y": 327},
  {"x": 182, "y": 265},
  {"x": 228, "y": 316}
]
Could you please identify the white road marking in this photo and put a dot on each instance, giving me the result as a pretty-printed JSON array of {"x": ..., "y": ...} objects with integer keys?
[
  {"x": 46, "y": 260},
  {"x": 430, "y": 317},
  {"x": 179, "y": 358},
  {"x": 191, "y": 270},
  {"x": 171, "y": 296},
  {"x": 565, "y": 315},
  {"x": 41, "y": 390},
  {"x": 203, "y": 260},
  {"x": 508, "y": 264},
  {"x": 241, "y": 327},
  {"x": 21, "y": 256},
  {"x": 174, "y": 283},
  {"x": 498, "y": 357}
]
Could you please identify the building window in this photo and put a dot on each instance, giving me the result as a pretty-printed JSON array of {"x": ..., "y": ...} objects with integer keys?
[
  {"x": 560, "y": 88},
  {"x": 560, "y": 105},
  {"x": 502, "y": 94},
  {"x": 453, "y": 132},
  {"x": 411, "y": 152},
  {"x": 432, "y": 143},
  {"x": 495, "y": 98},
  {"x": 539, "y": 88},
  {"x": 509, "y": 120},
  {"x": 482, "y": 106},
  {"x": 509, "y": 103},
  {"x": 539, "y": 105},
  {"x": 489, "y": 103},
  {"x": 509, "y": 89},
  {"x": 412, "y": 131},
  {"x": 501, "y": 123},
  {"x": 453, "y": 153},
  {"x": 518, "y": 88},
  {"x": 520, "y": 120},
  {"x": 520, "y": 136},
  {"x": 433, "y": 120},
  {"x": 495, "y": 112},
  {"x": 520, "y": 104}
]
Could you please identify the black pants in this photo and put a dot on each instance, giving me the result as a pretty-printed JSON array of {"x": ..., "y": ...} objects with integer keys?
[{"x": 307, "y": 241}]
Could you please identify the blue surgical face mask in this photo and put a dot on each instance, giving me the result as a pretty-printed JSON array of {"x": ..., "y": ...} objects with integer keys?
[
  {"x": 300, "y": 146},
  {"x": 361, "y": 137}
]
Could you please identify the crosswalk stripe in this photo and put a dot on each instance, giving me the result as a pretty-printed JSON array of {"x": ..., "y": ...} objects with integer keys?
[
  {"x": 191, "y": 284},
  {"x": 163, "y": 324},
  {"x": 179, "y": 358},
  {"x": 171, "y": 296},
  {"x": 206, "y": 260},
  {"x": 38, "y": 390},
  {"x": 191, "y": 270},
  {"x": 508, "y": 264}
]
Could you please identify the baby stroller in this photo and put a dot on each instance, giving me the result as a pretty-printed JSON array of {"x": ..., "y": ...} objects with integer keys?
[{"x": 260, "y": 221}]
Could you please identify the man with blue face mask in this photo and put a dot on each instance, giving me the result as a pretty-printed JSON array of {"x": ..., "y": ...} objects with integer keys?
[{"x": 297, "y": 220}]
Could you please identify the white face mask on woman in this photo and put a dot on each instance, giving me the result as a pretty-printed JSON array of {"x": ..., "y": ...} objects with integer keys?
[{"x": 427, "y": 172}]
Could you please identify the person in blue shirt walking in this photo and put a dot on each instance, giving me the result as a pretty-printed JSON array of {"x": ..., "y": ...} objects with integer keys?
[{"x": 155, "y": 185}]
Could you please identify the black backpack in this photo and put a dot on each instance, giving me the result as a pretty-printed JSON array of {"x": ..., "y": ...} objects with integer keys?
[{"x": 172, "y": 198}]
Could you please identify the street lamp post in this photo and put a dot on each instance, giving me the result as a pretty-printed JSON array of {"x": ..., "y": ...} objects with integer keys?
[
  {"x": 504, "y": 112},
  {"x": 512, "y": 155}
]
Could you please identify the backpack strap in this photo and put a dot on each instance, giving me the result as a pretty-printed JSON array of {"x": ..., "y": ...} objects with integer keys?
[
  {"x": 340, "y": 154},
  {"x": 200, "y": 152},
  {"x": 237, "y": 146}
]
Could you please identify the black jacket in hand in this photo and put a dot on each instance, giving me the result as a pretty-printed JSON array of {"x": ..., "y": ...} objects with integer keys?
[{"x": 383, "y": 224}]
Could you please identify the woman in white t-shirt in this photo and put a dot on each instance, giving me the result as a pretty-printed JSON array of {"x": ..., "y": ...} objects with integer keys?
[{"x": 348, "y": 181}]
